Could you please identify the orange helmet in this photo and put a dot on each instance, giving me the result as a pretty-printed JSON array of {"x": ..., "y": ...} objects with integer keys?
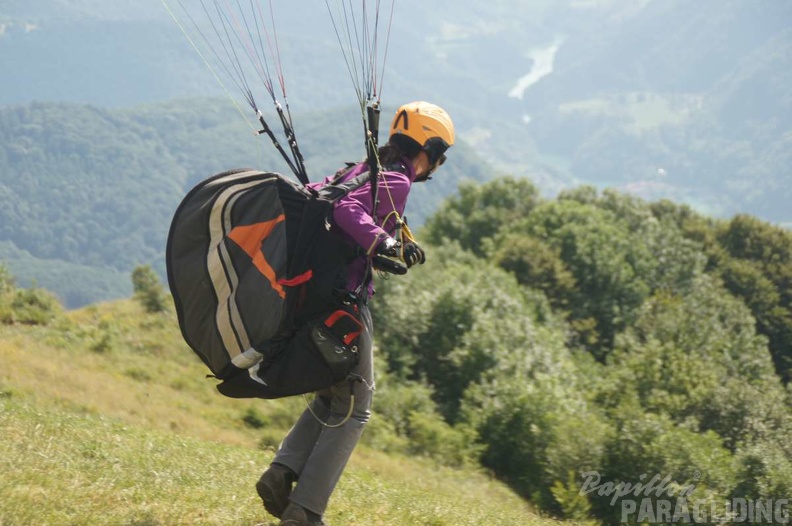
[{"x": 428, "y": 125}]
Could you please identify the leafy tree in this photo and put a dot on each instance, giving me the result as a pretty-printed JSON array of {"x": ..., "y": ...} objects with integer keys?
[
  {"x": 480, "y": 210},
  {"x": 431, "y": 436},
  {"x": 538, "y": 265},
  {"x": 747, "y": 237},
  {"x": 761, "y": 273},
  {"x": 409, "y": 423},
  {"x": 753, "y": 258},
  {"x": 698, "y": 359},
  {"x": 606, "y": 261},
  {"x": 148, "y": 289},
  {"x": 690, "y": 223},
  {"x": 452, "y": 319}
]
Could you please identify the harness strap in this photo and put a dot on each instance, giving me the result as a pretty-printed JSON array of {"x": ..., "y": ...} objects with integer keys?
[{"x": 336, "y": 190}]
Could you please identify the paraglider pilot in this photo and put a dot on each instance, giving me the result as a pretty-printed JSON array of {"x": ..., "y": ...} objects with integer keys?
[{"x": 298, "y": 484}]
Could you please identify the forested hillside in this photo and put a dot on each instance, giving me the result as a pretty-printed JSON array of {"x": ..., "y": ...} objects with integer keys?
[{"x": 89, "y": 193}]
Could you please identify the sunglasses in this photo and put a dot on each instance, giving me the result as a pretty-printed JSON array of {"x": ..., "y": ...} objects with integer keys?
[
  {"x": 435, "y": 150},
  {"x": 437, "y": 164}
]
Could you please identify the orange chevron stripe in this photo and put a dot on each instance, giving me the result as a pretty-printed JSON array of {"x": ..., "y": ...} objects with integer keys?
[{"x": 250, "y": 238}]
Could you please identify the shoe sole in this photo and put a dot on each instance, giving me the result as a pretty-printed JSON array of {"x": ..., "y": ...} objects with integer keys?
[{"x": 272, "y": 501}]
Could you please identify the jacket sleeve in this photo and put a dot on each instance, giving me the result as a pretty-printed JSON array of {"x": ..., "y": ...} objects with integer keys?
[{"x": 353, "y": 213}]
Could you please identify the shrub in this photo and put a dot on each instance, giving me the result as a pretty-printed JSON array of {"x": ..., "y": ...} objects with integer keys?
[
  {"x": 148, "y": 289},
  {"x": 253, "y": 418},
  {"x": 104, "y": 344},
  {"x": 574, "y": 505},
  {"x": 105, "y": 336},
  {"x": 407, "y": 421},
  {"x": 34, "y": 307},
  {"x": 649, "y": 446},
  {"x": 429, "y": 435}
]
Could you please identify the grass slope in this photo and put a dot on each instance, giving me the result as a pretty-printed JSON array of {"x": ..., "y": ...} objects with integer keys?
[{"x": 106, "y": 419}]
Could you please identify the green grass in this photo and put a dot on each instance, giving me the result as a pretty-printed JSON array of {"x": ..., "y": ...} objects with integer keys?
[
  {"x": 106, "y": 419},
  {"x": 63, "y": 467}
]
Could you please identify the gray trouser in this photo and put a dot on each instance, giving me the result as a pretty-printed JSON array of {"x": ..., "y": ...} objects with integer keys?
[{"x": 319, "y": 454}]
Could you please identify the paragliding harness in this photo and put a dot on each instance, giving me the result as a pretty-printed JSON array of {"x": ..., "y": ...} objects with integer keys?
[
  {"x": 254, "y": 267},
  {"x": 251, "y": 264}
]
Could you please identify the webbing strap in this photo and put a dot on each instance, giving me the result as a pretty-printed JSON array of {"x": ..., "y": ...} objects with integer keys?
[{"x": 335, "y": 191}]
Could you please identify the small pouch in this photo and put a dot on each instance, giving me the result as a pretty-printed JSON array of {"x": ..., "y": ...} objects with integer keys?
[{"x": 336, "y": 337}]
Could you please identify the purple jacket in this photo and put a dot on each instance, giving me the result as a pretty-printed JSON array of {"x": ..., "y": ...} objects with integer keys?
[{"x": 353, "y": 214}]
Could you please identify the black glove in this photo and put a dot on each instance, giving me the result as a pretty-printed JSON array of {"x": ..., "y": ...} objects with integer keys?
[
  {"x": 388, "y": 265},
  {"x": 389, "y": 248},
  {"x": 413, "y": 254}
]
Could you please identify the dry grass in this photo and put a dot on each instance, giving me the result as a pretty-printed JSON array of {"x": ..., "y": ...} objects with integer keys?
[{"x": 106, "y": 418}]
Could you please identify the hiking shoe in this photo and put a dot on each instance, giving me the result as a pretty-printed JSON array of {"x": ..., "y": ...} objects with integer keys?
[
  {"x": 296, "y": 515},
  {"x": 274, "y": 488}
]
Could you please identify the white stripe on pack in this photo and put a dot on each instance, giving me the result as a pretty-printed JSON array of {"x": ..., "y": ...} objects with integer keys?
[{"x": 218, "y": 262}]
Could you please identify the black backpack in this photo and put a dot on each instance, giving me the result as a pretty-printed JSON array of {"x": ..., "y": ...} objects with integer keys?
[{"x": 253, "y": 265}]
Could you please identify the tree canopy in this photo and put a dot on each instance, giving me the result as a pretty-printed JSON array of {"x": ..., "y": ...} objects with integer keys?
[{"x": 599, "y": 332}]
